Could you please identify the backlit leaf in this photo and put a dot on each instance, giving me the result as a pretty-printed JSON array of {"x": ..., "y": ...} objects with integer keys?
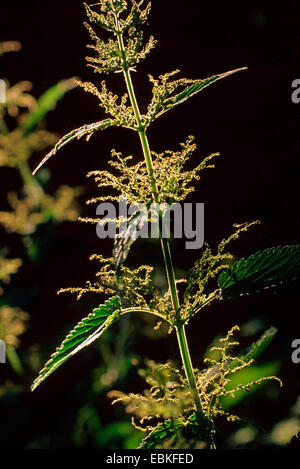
[
  {"x": 195, "y": 88},
  {"x": 88, "y": 130},
  {"x": 45, "y": 104},
  {"x": 256, "y": 349},
  {"x": 87, "y": 331},
  {"x": 262, "y": 270}
]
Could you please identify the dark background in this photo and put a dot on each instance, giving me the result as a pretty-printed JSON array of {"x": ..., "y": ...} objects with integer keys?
[{"x": 249, "y": 118}]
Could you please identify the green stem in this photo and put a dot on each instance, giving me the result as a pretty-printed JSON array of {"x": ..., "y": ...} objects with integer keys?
[
  {"x": 182, "y": 341},
  {"x": 187, "y": 363}
]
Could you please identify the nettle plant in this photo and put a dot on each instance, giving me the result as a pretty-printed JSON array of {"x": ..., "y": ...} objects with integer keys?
[{"x": 181, "y": 404}]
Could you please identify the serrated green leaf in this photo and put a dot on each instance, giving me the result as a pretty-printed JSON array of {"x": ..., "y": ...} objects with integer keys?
[
  {"x": 87, "y": 331},
  {"x": 161, "y": 433},
  {"x": 88, "y": 130},
  {"x": 195, "y": 426},
  {"x": 195, "y": 88},
  {"x": 45, "y": 104},
  {"x": 262, "y": 270}
]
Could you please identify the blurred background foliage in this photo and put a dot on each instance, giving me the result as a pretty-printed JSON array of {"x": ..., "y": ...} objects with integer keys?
[{"x": 250, "y": 119}]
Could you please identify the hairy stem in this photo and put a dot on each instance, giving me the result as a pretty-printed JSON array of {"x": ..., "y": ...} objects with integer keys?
[
  {"x": 187, "y": 363},
  {"x": 181, "y": 337}
]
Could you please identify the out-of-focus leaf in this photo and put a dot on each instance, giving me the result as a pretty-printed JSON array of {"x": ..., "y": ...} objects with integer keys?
[
  {"x": 86, "y": 332},
  {"x": 256, "y": 349},
  {"x": 245, "y": 376},
  {"x": 262, "y": 270},
  {"x": 116, "y": 433},
  {"x": 45, "y": 104}
]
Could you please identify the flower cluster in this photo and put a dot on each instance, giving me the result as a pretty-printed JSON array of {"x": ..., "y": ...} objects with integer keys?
[
  {"x": 109, "y": 57},
  {"x": 205, "y": 269},
  {"x": 166, "y": 407},
  {"x": 173, "y": 180}
]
